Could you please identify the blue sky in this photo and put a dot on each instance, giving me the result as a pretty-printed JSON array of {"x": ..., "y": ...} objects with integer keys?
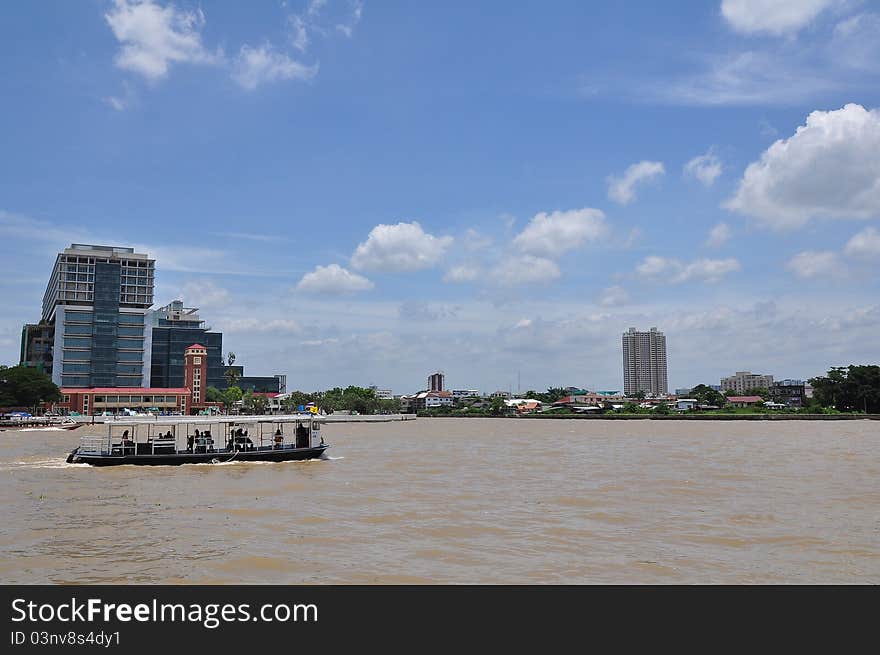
[{"x": 363, "y": 192}]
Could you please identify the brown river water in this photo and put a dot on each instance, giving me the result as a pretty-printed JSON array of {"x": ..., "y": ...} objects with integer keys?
[{"x": 462, "y": 501}]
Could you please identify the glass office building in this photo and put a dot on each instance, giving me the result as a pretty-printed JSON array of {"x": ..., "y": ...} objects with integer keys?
[
  {"x": 175, "y": 328},
  {"x": 97, "y": 305}
]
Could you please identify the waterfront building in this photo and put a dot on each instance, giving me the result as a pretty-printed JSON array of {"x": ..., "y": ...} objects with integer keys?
[
  {"x": 254, "y": 383},
  {"x": 188, "y": 399},
  {"x": 430, "y": 399},
  {"x": 382, "y": 394},
  {"x": 744, "y": 401},
  {"x": 37, "y": 341},
  {"x": 175, "y": 328},
  {"x": 743, "y": 381},
  {"x": 460, "y": 394},
  {"x": 435, "y": 381},
  {"x": 644, "y": 362},
  {"x": 791, "y": 393},
  {"x": 96, "y": 311}
]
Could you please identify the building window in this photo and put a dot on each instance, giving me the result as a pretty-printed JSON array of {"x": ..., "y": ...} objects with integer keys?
[{"x": 197, "y": 360}]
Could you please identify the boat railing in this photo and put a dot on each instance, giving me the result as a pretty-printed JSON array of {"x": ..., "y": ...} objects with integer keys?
[{"x": 94, "y": 445}]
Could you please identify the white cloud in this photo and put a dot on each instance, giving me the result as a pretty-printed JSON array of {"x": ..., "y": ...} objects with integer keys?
[
  {"x": 203, "y": 292},
  {"x": 117, "y": 103},
  {"x": 719, "y": 235},
  {"x": 334, "y": 280},
  {"x": 855, "y": 42},
  {"x": 663, "y": 269},
  {"x": 775, "y": 17},
  {"x": 258, "y": 325},
  {"x": 417, "y": 310},
  {"x": 154, "y": 37},
  {"x": 613, "y": 295},
  {"x": 744, "y": 78},
  {"x": 864, "y": 244},
  {"x": 475, "y": 240},
  {"x": 462, "y": 273},
  {"x": 255, "y": 66},
  {"x": 829, "y": 168},
  {"x": 705, "y": 168},
  {"x": 399, "y": 248},
  {"x": 811, "y": 263},
  {"x": 299, "y": 37},
  {"x": 525, "y": 269},
  {"x": 623, "y": 189},
  {"x": 347, "y": 28},
  {"x": 550, "y": 235}
]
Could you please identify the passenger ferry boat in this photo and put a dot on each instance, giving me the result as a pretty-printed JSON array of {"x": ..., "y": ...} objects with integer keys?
[{"x": 201, "y": 440}]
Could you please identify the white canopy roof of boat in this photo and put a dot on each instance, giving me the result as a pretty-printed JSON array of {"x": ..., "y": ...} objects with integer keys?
[{"x": 205, "y": 420}]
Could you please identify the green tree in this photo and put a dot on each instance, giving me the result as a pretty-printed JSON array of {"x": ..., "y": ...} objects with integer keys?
[
  {"x": 25, "y": 386},
  {"x": 847, "y": 389},
  {"x": 213, "y": 395},
  {"x": 254, "y": 403},
  {"x": 497, "y": 407},
  {"x": 232, "y": 377},
  {"x": 706, "y": 395},
  {"x": 231, "y": 396}
]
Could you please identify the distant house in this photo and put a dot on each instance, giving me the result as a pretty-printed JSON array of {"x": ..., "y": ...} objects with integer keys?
[
  {"x": 523, "y": 405},
  {"x": 684, "y": 404},
  {"x": 745, "y": 401}
]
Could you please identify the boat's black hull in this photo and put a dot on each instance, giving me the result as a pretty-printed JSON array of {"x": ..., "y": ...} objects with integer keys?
[{"x": 176, "y": 459}]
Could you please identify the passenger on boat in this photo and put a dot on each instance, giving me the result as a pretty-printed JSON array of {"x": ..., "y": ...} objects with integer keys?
[
  {"x": 190, "y": 441},
  {"x": 127, "y": 443},
  {"x": 302, "y": 436},
  {"x": 279, "y": 437}
]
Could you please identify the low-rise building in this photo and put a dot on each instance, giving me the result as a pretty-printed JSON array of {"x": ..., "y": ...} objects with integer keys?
[
  {"x": 743, "y": 381},
  {"x": 791, "y": 393},
  {"x": 744, "y": 401},
  {"x": 460, "y": 394}
]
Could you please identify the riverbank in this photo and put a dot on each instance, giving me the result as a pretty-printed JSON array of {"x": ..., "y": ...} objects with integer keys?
[
  {"x": 709, "y": 417},
  {"x": 682, "y": 417}
]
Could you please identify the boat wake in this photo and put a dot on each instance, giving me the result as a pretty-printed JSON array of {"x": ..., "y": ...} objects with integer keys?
[
  {"x": 40, "y": 464},
  {"x": 51, "y": 428}
]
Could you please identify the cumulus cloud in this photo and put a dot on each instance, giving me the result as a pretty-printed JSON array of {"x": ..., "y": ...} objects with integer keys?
[
  {"x": 613, "y": 295},
  {"x": 399, "y": 248},
  {"x": 154, "y": 37},
  {"x": 203, "y": 292},
  {"x": 775, "y": 17},
  {"x": 811, "y": 263},
  {"x": 462, "y": 273},
  {"x": 704, "y": 168},
  {"x": 664, "y": 269},
  {"x": 865, "y": 244},
  {"x": 525, "y": 269},
  {"x": 719, "y": 235},
  {"x": 550, "y": 235},
  {"x": 255, "y": 66},
  {"x": 623, "y": 189},
  {"x": 829, "y": 168},
  {"x": 334, "y": 280}
]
